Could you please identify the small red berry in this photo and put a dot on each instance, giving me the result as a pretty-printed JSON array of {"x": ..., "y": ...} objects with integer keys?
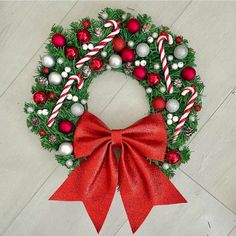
[
  {"x": 45, "y": 70},
  {"x": 42, "y": 132},
  {"x": 51, "y": 95},
  {"x": 86, "y": 23},
  {"x": 179, "y": 39},
  {"x": 197, "y": 108}
]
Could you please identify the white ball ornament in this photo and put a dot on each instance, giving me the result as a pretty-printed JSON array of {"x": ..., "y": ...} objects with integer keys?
[
  {"x": 69, "y": 96},
  {"x": 48, "y": 61},
  {"x": 124, "y": 16},
  {"x": 172, "y": 105},
  {"x": 180, "y": 64},
  {"x": 142, "y": 50},
  {"x": 104, "y": 16},
  {"x": 64, "y": 74},
  {"x": 115, "y": 61},
  {"x": 83, "y": 101},
  {"x": 148, "y": 90},
  {"x": 150, "y": 39},
  {"x": 108, "y": 67},
  {"x": 30, "y": 109},
  {"x": 165, "y": 166},
  {"x": 75, "y": 99},
  {"x": 54, "y": 78},
  {"x": 170, "y": 58},
  {"x": 130, "y": 43},
  {"x": 180, "y": 52},
  {"x": 67, "y": 69},
  {"x": 156, "y": 66},
  {"x": 85, "y": 47},
  {"x": 69, "y": 163},
  {"x": 162, "y": 89},
  {"x": 169, "y": 116},
  {"x": 155, "y": 35},
  {"x": 103, "y": 53},
  {"x": 181, "y": 148},
  {"x": 169, "y": 122},
  {"x": 192, "y": 118},
  {"x": 60, "y": 60},
  {"x": 174, "y": 66},
  {"x": 175, "y": 118},
  {"x": 45, "y": 112},
  {"x": 143, "y": 63},
  {"x": 65, "y": 148},
  {"x": 77, "y": 109},
  {"x": 137, "y": 63},
  {"x": 90, "y": 46},
  {"x": 39, "y": 112}
]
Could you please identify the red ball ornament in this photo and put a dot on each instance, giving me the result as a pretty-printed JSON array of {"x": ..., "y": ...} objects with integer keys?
[
  {"x": 65, "y": 126},
  {"x": 133, "y": 25},
  {"x": 51, "y": 95},
  {"x": 40, "y": 98},
  {"x": 96, "y": 64},
  {"x": 118, "y": 44},
  {"x": 173, "y": 157},
  {"x": 71, "y": 53},
  {"x": 45, "y": 70},
  {"x": 178, "y": 39},
  {"x": 83, "y": 36},
  {"x": 86, "y": 23},
  {"x": 159, "y": 103},
  {"x": 197, "y": 108},
  {"x": 42, "y": 132},
  {"x": 127, "y": 55},
  {"x": 58, "y": 40},
  {"x": 153, "y": 79},
  {"x": 188, "y": 73},
  {"x": 140, "y": 72}
]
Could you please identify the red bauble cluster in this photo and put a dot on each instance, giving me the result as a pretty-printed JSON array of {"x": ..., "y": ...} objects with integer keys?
[
  {"x": 173, "y": 157},
  {"x": 188, "y": 73},
  {"x": 97, "y": 64},
  {"x": 159, "y": 103},
  {"x": 83, "y": 36},
  {"x": 86, "y": 23},
  {"x": 178, "y": 39},
  {"x": 45, "y": 70},
  {"x": 71, "y": 53},
  {"x": 40, "y": 98},
  {"x": 127, "y": 55},
  {"x": 153, "y": 79},
  {"x": 140, "y": 72},
  {"x": 58, "y": 40},
  {"x": 197, "y": 108},
  {"x": 65, "y": 126},
  {"x": 118, "y": 44},
  {"x": 42, "y": 132},
  {"x": 133, "y": 25}
]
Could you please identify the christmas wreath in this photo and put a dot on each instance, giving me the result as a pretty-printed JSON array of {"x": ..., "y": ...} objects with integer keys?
[{"x": 162, "y": 62}]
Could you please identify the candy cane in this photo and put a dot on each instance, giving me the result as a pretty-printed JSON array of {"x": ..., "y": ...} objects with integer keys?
[
  {"x": 79, "y": 64},
  {"x": 160, "y": 42},
  {"x": 186, "y": 110},
  {"x": 102, "y": 44},
  {"x": 63, "y": 95}
]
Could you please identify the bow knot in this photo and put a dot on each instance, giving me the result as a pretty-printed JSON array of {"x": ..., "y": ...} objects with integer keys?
[{"x": 142, "y": 184}]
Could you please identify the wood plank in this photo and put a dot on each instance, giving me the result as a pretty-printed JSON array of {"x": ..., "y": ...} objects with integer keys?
[
  {"x": 201, "y": 216},
  {"x": 24, "y": 28},
  {"x": 233, "y": 233},
  {"x": 213, "y": 163}
]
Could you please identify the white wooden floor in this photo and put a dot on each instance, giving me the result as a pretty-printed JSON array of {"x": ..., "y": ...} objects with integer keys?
[{"x": 29, "y": 175}]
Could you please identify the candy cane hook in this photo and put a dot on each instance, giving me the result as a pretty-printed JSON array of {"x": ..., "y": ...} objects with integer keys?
[
  {"x": 186, "y": 110},
  {"x": 160, "y": 43},
  {"x": 79, "y": 64}
]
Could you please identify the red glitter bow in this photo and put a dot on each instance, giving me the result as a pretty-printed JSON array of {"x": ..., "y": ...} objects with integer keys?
[{"x": 142, "y": 184}]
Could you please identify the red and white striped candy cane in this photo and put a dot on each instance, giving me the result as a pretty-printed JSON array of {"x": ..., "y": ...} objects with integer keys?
[
  {"x": 63, "y": 95},
  {"x": 79, "y": 64},
  {"x": 187, "y": 110},
  {"x": 102, "y": 44},
  {"x": 160, "y": 42}
]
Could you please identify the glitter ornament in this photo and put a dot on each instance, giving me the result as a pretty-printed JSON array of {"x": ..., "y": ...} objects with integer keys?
[
  {"x": 71, "y": 53},
  {"x": 58, "y": 40},
  {"x": 96, "y": 64},
  {"x": 173, "y": 157},
  {"x": 172, "y": 105},
  {"x": 86, "y": 72},
  {"x": 54, "y": 78},
  {"x": 65, "y": 148},
  {"x": 48, "y": 61},
  {"x": 159, "y": 103},
  {"x": 83, "y": 36},
  {"x": 140, "y": 72},
  {"x": 118, "y": 44},
  {"x": 127, "y": 55},
  {"x": 142, "y": 50},
  {"x": 180, "y": 52},
  {"x": 115, "y": 61},
  {"x": 40, "y": 98},
  {"x": 77, "y": 109}
]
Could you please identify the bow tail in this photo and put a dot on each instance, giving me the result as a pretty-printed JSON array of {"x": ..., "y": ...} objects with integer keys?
[
  {"x": 143, "y": 185},
  {"x": 94, "y": 183}
]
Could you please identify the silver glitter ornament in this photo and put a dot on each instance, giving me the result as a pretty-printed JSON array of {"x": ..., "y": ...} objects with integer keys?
[
  {"x": 65, "y": 148},
  {"x": 77, "y": 109},
  {"x": 115, "y": 61},
  {"x": 142, "y": 50},
  {"x": 180, "y": 52},
  {"x": 54, "y": 78},
  {"x": 69, "y": 163},
  {"x": 172, "y": 105},
  {"x": 48, "y": 61}
]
